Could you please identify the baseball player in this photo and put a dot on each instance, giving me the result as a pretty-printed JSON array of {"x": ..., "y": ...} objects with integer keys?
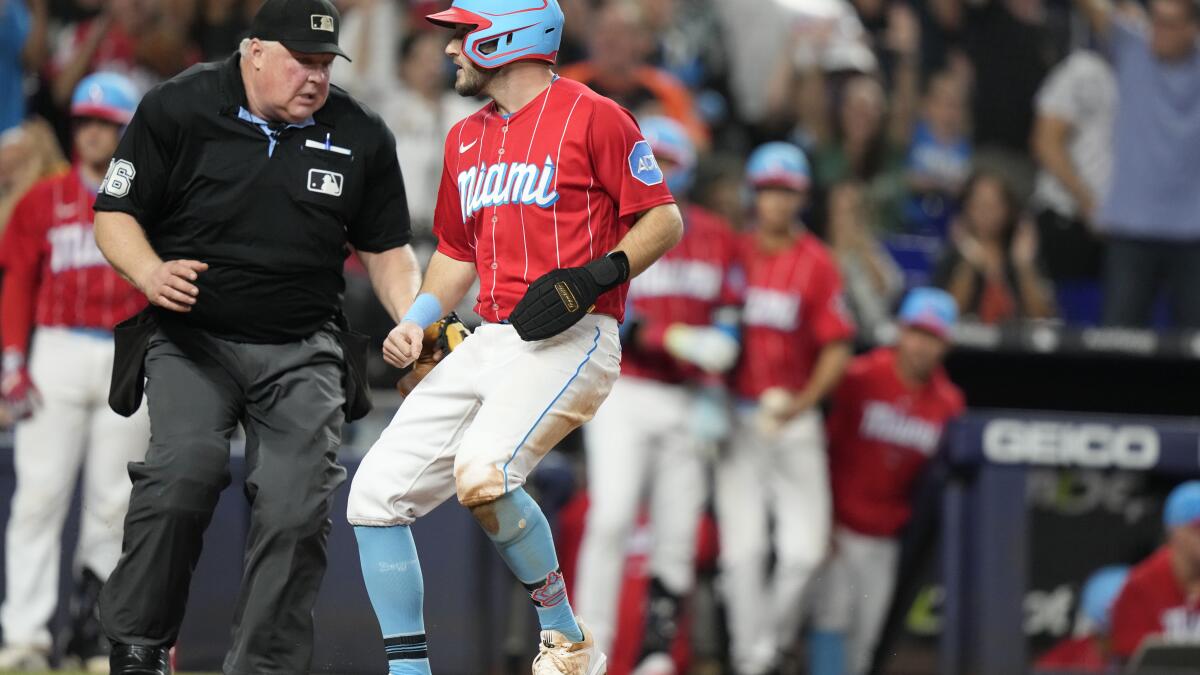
[
  {"x": 58, "y": 285},
  {"x": 884, "y": 424},
  {"x": 1090, "y": 652},
  {"x": 796, "y": 344},
  {"x": 680, "y": 335},
  {"x": 553, "y": 199},
  {"x": 1160, "y": 598}
]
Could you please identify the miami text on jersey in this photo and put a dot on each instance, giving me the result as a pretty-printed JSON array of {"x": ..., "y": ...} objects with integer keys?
[
  {"x": 73, "y": 247},
  {"x": 771, "y": 309},
  {"x": 882, "y": 421},
  {"x": 503, "y": 183},
  {"x": 1181, "y": 625},
  {"x": 683, "y": 278}
]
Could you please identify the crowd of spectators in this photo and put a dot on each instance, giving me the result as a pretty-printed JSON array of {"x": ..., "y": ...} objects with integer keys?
[{"x": 1032, "y": 157}]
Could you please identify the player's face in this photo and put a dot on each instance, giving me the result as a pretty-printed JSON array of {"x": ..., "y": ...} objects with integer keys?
[
  {"x": 778, "y": 209},
  {"x": 1173, "y": 29},
  {"x": 293, "y": 85},
  {"x": 469, "y": 80},
  {"x": 1186, "y": 540},
  {"x": 95, "y": 141},
  {"x": 919, "y": 353}
]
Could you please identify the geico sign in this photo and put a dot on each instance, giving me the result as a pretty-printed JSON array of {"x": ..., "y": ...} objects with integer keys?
[{"x": 1063, "y": 444}]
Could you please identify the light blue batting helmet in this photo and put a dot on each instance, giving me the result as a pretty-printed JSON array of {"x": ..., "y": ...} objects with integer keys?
[
  {"x": 1183, "y": 505},
  {"x": 107, "y": 96},
  {"x": 1100, "y": 592},
  {"x": 521, "y": 29},
  {"x": 778, "y": 165}
]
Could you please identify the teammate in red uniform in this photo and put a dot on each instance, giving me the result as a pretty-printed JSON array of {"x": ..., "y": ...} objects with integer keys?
[
  {"x": 1090, "y": 652},
  {"x": 663, "y": 415},
  {"x": 552, "y": 198},
  {"x": 795, "y": 346},
  {"x": 1161, "y": 599},
  {"x": 57, "y": 280},
  {"x": 885, "y": 422}
]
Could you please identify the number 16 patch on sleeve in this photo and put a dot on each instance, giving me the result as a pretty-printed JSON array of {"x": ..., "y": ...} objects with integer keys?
[{"x": 643, "y": 166}]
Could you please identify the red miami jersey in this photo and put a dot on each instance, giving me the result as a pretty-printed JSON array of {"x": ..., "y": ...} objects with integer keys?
[
  {"x": 55, "y": 274},
  {"x": 881, "y": 433},
  {"x": 556, "y": 184},
  {"x": 1152, "y": 603},
  {"x": 793, "y": 309},
  {"x": 688, "y": 284}
]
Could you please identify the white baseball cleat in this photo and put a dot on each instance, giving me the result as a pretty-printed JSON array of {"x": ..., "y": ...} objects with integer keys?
[
  {"x": 657, "y": 663},
  {"x": 24, "y": 659},
  {"x": 560, "y": 656}
]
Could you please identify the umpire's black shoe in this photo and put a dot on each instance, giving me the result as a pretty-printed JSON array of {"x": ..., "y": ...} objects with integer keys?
[{"x": 138, "y": 660}]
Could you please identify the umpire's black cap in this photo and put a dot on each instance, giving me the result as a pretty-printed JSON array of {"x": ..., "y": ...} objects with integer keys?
[{"x": 306, "y": 26}]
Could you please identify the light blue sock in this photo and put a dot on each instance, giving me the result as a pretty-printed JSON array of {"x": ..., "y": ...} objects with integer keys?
[
  {"x": 827, "y": 653},
  {"x": 524, "y": 540},
  {"x": 392, "y": 574}
]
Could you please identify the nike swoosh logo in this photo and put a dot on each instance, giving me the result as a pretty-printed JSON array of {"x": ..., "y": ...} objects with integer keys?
[{"x": 464, "y": 148}]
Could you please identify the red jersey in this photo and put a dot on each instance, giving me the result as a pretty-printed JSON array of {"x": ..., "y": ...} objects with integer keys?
[
  {"x": 685, "y": 286},
  {"x": 54, "y": 272},
  {"x": 1075, "y": 655},
  {"x": 793, "y": 308},
  {"x": 881, "y": 434},
  {"x": 1153, "y": 603},
  {"x": 556, "y": 184}
]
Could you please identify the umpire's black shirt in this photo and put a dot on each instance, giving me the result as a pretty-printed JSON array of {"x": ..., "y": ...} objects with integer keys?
[{"x": 271, "y": 214}]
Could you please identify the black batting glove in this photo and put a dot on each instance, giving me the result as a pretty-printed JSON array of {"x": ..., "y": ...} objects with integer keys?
[{"x": 558, "y": 299}]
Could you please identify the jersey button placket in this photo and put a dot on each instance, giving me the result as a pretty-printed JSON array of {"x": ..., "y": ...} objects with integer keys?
[{"x": 495, "y": 210}]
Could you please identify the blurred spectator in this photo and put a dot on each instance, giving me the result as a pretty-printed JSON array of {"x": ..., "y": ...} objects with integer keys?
[
  {"x": 137, "y": 38},
  {"x": 688, "y": 42},
  {"x": 757, "y": 30},
  {"x": 1008, "y": 48},
  {"x": 578, "y": 15},
  {"x": 939, "y": 158},
  {"x": 865, "y": 138},
  {"x": 619, "y": 45},
  {"x": 420, "y": 109},
  {"x": 218, "y": 26},
  {"x": 873, "y": 280},
  {"x": 1152, "y": 212},
  {"x": 370, "y": 37},
  {"x": 1160, "y": 598},
  {"x": 885, "y": 423},
  {"x": 1090, "y": 652},
  {"x": 22, "y": 43},
  {"x": 1072, "y": 141},
  {"x": 28, "y": 153},
  {"x": 992, "y": 265}
]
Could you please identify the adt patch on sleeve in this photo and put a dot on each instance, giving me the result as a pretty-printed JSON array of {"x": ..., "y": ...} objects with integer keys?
[{"x": 643, "y": 165}]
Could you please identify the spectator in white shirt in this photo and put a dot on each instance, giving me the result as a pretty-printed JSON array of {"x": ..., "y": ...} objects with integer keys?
[
  {"x": 1072, "y": 142},
  {"x": 420, "y": 109}
]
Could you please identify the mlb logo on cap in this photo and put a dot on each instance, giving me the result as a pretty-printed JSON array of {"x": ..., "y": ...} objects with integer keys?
[
  {"x": 322, "y": 22},
  {"x": 305, "y": 26}
]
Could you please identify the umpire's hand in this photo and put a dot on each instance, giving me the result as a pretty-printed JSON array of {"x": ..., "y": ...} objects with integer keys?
[
  {"x": 403, "y": 344},
  {"x": 170, "y": 284}
]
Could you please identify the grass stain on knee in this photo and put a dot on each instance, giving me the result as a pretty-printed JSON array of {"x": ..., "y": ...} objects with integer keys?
[{"x": 486, "y": 515}]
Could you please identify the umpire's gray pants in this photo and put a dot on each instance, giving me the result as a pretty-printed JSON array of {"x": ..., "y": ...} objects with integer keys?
[{"x": 289, "y": 399}]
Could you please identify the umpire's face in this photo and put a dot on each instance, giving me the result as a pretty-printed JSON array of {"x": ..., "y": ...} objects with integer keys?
[{"x": 291, "y": 85}]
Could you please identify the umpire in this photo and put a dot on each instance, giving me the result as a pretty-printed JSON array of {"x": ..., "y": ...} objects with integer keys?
[{"x": 231, "y": 203}]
